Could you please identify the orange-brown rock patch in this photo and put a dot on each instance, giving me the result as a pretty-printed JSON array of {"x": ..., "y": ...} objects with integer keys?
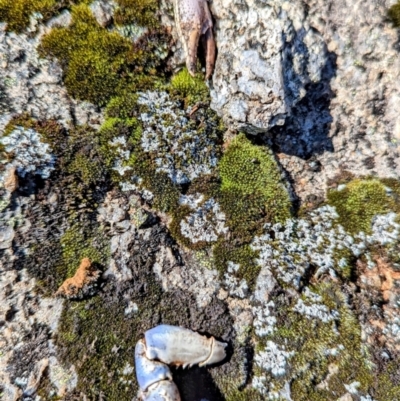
[{"x": 77, "y": 285}]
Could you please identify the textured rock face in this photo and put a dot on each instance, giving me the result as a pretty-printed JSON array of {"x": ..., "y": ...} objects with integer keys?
[
  {"x": 28, "y": 353},
  {"x": 322, "y": 79},
  {"x": 310, "y": 305},
  {"x": 267, "y": 55}
]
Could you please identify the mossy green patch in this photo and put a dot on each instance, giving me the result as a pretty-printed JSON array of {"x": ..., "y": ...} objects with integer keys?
[
  {"x": 80, "y": 242},
  {"x": 388, "y": 383},
  {"x": 251, "y": 193},
  {"x": 18, "y": 12},
  {"x": 394, "y": 14},
  {"x": 326, "y": 355},
  {"x": 97, "y": 63},
  {"x": 142, "y": 12},
  {"x": 225, "y": 251},
  {"x": 251, "y": 183},
  {"x": 359, "y": 202},
  {"x": 191, "y": 89},
  {"x": 96, "y": 337},
  {"x": 93, "y": 58}
]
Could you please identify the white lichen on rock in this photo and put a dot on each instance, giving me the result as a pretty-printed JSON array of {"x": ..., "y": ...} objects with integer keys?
[
  {"x": 178, "y": 150},
  {"x": 273, "y": 359},
  {"x": 318, "y": 241},
  {"x": 236, "y": 287},
  {"x": 28, "y": 152},
  {"x": 206, "y": 222},
  {"x": 311, "y": 306},
  {"x": 264, "y": 321},
  {"x": 122, "y": 155}
]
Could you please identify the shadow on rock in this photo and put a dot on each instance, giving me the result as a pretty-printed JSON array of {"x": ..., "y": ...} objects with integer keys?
[
  {"x": 306, "y": 130},
  {"x": 196, "y": 384}
]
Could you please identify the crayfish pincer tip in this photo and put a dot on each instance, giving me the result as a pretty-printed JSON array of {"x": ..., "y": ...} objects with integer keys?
[{"x": 217, "y": 354}]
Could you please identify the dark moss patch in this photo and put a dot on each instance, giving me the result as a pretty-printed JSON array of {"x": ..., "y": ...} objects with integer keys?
[
  {"x": 388, "y": 382},
  {"x": 17, "y": 13},
  {"x": 394, "y": 14},
  {"x": 142, "y": 12},
  {"x": 97, "y": 63},
  {"x": 34, "y": 347},
  {"x": 360, "y": 201},
  {"x": 63, "y": 219},
  {"x": 243, "y": 255}
]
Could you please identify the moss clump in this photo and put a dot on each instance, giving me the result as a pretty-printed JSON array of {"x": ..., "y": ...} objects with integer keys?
[
  {"x": 191, "y": 89},
  {"x": 98, "y": 64},
  {"x": 93, "y": 58},
  {"x": 394, "y": 14},
  {"x": 142, "y": 12},
  {"x": 252, "y": 189},
  {"x": 359, "y": 202},
  {"x": 96, "y": 337},
  {"x": 17, "y": 12},
  {"x": 122, "y": 106}
]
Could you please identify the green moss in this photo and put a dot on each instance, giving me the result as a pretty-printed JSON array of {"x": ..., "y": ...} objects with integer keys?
[
  {"x": 98, "y": 64},
  {"x": 252, "y": 190},
  {"x": 394, "y": 14},
  {"x": 122, "y": 106},
  {"x": 191, "y": 89},
  {"x": 17, "y": 12},
  {"x": 99, "y": 354},
  {"x": 78, "y": 243},
  {"x": 311, "y": 338},
  {"x": 388, "y": 383},
  {"x": 359, "y": 202},
  {"x": 166, "y": 194},
  {"x": 92, "y": 57},
  {"x": 225, "y": 251},
  {"x": 243, "y": 395},
  {"x": 142, "y": 12}
]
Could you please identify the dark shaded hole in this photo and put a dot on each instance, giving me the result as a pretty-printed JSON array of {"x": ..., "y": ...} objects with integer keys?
[
  {"x": 10, "y": 314},
  {"x": 196, "y": 384}
]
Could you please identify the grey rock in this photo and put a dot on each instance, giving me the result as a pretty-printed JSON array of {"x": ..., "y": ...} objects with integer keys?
[
  {"x": 103, "y": 11},
  {"x": 34, "y": 85},
  {"x": 6, "y": 237},
  {"x": 319, "y": 82},
  {"x": 267, "y": 55}
]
